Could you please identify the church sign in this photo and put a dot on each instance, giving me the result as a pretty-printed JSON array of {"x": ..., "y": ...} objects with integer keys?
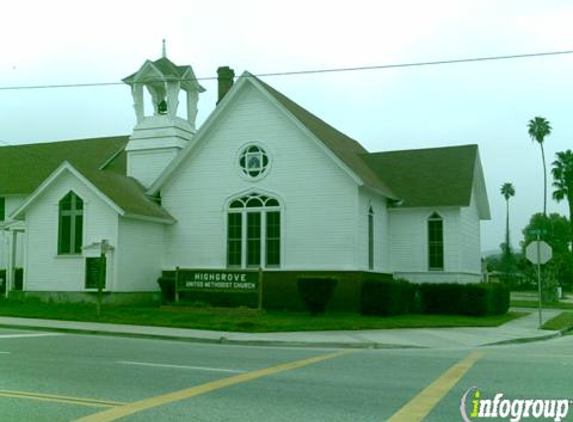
[
  {"x": 240, "y": 281},
  {"x": 95, "y": 271}
]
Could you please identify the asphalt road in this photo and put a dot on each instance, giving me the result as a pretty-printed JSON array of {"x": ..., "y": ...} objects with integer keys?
[{"x": 65, "y": 377}]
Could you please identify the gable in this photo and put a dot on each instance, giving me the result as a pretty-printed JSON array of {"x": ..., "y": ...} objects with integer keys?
[
  {"x": 26, "y": 169},
  {"x": 433, "y": 177},
  {"x": 345, "y": 151},
  {"x": 214, "y": 159}
]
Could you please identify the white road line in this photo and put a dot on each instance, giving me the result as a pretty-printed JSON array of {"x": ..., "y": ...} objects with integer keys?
[
  {"x": 196, "y": 368},
  {"x": 30, "y": 335}
]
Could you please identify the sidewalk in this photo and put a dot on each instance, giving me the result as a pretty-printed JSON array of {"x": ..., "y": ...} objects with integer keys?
[{"x": 520, "y": 330}]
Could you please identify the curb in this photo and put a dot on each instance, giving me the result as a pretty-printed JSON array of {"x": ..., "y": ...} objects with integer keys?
[
  {"x": 523, "y": 340},
  {"x": 222, "y": 340}
]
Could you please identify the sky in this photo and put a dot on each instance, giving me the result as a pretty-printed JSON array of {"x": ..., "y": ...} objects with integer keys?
[{"x": 485, "y": 103}]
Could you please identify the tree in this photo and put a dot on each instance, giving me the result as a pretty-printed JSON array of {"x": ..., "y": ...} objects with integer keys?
[
  {"x": 538, "y": 129},
  {"x": 559, "y": 270},
  {"x": 556, "y": 228},
  {"x": 563, "y": 182},
  {"x": 507, "y": 190}
]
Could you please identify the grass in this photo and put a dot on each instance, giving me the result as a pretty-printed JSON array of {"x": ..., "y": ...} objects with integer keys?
[
  {"x": 240, "y": 319},
  {"x": 563, "y": 321}
]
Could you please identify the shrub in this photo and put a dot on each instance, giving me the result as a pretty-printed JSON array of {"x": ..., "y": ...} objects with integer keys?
[
  {"x": 464, "y": 299},
  {"x": 315, "y": 292},
  {"x": 167, "y": 286},
  {"x": 442, "y": 298},
  {"x": 387, "y": 297},
  {"x": 500, "y": 298}
]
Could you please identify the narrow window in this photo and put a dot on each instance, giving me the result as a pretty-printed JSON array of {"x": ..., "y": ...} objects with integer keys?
[
  {"x": 253, "y": 239},
  {"x": 234, "y": 240},
  {"x": 273, "y": 238},
  {"x": 370, "y": 239},
  {"x": 2, "y": 208},
  {"x": 70, "y": 232},
  {"x": 436, "y": 242}
]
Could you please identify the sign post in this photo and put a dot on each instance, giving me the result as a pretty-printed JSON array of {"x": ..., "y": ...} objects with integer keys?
[{"x": 538, "y": 252}]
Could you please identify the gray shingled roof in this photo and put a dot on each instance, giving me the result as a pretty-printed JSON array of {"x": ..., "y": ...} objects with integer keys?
[
  {"x": 419, "y": 178},
  {"x": 349, "y": 151},
  {"x": 25, "y": 167},
  {"x": 428, "y": 177},
  {"x": 166, "y": 67},
  {"x": 169, "y": 71}
]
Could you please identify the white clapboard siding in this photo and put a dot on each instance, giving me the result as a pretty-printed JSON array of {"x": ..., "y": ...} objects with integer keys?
[
  {"x": 45, "y": 270},
  {"x": 139, "y": 255},
  {"x": 319, "y": 199},
  {"x": 147, "y": 165},
  {"x": 409, "y": 241},
  {"x": 470, "y": 238},
  {"x": 381, "y": 232}
]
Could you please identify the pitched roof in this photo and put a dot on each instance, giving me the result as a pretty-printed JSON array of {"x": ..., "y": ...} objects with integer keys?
[
  {"x": 349, "y": 151},
  {"x": 102, "y": 161},
  {"x": 168, "y": 70},
  {"x": 428, "y": 177},
  {"x": 165, "y": 66}
]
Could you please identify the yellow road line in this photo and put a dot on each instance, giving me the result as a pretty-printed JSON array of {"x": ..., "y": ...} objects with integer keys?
[
  {"x": 59, "y": 399},
  {"x": 421, "y": 405},
  {"x": 138, "y": 406}
]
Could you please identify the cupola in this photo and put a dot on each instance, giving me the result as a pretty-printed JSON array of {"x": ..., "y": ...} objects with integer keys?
[{"x": 160, "y": 133}]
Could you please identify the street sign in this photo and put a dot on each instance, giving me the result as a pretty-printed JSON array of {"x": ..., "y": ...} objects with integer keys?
[
  {"x": 535, "y": 232},
  {"x": 538, "y": 252}
]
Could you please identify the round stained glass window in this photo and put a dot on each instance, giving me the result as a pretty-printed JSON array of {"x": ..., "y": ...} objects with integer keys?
[{"x": 253, "y": 161}]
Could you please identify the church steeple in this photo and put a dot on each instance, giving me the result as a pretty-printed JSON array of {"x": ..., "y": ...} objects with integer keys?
[
  {"x": 163, "y": 79},
  {"x": 160, "y": 133}
]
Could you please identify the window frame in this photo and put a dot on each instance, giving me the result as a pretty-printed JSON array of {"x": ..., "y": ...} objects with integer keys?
[
  {"x": 436, "y": 247},
  {"x": 370, "y": 229},
  {"x": 70, "y": 221},
  {"x": 250, "y": 205},
  {"x": 258, "y": 152}
]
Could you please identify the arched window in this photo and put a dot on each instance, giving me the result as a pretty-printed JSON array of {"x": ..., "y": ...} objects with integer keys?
[
  {"x": 435, "y": 242},
  {"x": 71, "y": 221},
  {"x": 254, "y": 232},
  {"x": 370, "y": 238}
]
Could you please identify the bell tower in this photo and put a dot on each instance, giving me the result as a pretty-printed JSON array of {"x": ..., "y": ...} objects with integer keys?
[{"x": 160, "y": 133}]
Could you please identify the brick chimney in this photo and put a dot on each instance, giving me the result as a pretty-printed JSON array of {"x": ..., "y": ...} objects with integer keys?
[{"x": 225, "y": 78}]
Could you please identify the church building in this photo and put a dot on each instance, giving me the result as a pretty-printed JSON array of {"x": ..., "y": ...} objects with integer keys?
[{"x": 262, "y": 183}]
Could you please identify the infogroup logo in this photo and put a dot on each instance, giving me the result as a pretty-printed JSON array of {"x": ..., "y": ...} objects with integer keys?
[{"x": 514, "y": 410}]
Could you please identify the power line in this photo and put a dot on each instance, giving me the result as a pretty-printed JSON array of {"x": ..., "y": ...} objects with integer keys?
[{"x": 316, "y": 71}]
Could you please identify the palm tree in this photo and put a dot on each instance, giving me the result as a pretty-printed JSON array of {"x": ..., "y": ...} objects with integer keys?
[
  {"x": 563, "y": 182},
  {"x": 507, "y": 190},
  {"x": 538, "y": 129}
]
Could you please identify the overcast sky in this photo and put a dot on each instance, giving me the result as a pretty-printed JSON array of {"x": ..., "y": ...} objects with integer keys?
[{"x": 486, "y": 103}]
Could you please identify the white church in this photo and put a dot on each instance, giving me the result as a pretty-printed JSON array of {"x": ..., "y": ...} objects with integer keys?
[{"x": 263, "y": 183}]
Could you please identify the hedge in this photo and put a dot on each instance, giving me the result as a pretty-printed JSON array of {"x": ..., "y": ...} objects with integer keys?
[
  {"x": 464, "y": 299},
  {"x": 387, "y": 297}
]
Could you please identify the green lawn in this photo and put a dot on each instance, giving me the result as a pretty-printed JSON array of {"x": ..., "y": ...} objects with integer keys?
[
  {"x": 238, "y": 319},
  {"x": 563, "y": 321}
]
